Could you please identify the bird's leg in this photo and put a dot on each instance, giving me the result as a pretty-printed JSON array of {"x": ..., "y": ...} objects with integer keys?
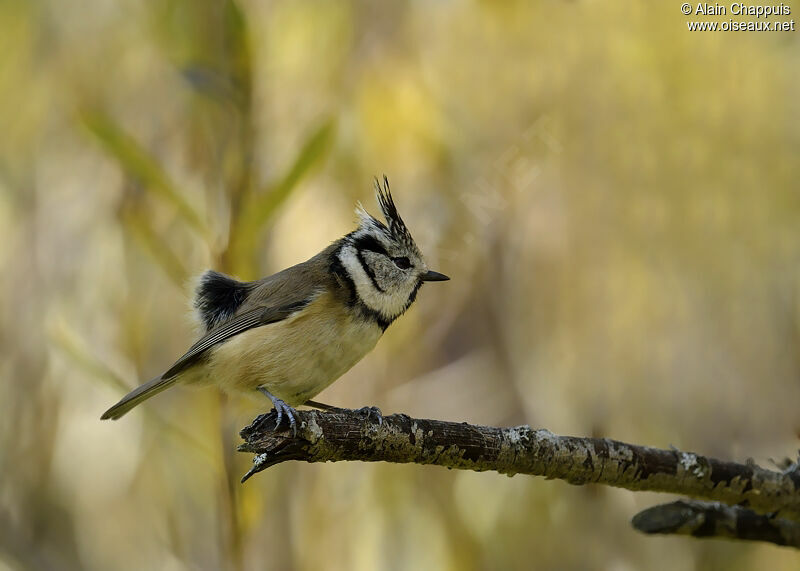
[
  {"x": 365, "y": 410},
  {"x": 281, "y": 408}
]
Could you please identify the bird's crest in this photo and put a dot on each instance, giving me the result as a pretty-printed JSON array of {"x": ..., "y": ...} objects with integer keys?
[{"x": 395, "y": 227}]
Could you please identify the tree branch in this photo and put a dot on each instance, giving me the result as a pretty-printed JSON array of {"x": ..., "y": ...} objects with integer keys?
[
  {"x": 338, "y": 435},
  {"x": 713, "y": 519}
]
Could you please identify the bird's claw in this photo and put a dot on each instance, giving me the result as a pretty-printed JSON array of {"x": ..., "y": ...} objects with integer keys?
[
  {"x": 282, "y": 408},
  {"x": 369, "y": 411}
]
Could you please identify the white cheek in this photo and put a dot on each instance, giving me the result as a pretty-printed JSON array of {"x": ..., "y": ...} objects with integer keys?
[{"x": 389, "y": 303}]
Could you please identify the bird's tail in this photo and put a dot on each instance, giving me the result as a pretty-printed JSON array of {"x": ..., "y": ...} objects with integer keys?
[{"x": 137, "y": 396}]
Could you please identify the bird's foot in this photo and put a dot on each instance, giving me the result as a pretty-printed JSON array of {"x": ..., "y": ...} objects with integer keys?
[
  {"x": 281, "y": 408},
  {"x": 370, "y": 411}
]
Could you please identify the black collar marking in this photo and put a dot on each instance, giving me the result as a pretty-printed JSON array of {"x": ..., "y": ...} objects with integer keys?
[{"x": 338, "y": 270}]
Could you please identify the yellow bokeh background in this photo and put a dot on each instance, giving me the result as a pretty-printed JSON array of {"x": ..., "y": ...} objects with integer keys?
[{"x": 615, "y": 198}]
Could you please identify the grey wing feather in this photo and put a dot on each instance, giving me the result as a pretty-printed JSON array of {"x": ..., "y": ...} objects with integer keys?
[
  {"x": 137, "y": 396},
  {"x": 252, "y": 318},
  {"x": 271, "y": 299},
  {"x": 248, "y": 320}
]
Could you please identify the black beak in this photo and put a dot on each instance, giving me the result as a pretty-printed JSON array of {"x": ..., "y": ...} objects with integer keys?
[{"x": 432, "y": 276}]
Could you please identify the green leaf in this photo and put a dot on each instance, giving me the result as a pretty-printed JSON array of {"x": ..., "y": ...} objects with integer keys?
[
  {"x": 66, "y": 339},
  {"x": 259, "y": 208},
  {"x": 238, "y": 45},
  {"x": 74, "y": 348},
  {"x": 152, "y": 244},
  {"x": 314, "y": 149},
  {"x": 140, "y": 165}
]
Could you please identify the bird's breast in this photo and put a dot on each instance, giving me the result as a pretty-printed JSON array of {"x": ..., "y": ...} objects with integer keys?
[{"x": 295, "y": 358}]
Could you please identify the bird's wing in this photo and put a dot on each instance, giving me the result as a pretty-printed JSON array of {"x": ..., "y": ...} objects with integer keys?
[
  {"x": 247, "y": 320},
  {"x": 270, "y": 299},
  {"x": 255, "y": 317}
]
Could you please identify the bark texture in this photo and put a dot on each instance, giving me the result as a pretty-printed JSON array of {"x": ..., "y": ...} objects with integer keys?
[
  {"x": 713, "y": 519},
  {"x": 345, "y": 435}
]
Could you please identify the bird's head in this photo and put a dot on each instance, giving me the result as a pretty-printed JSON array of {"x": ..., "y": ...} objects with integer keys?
[{"x": 383, "y": 261}]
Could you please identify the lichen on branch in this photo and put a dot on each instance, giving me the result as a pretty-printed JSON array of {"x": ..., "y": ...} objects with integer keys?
[{"x": 346, "y": 435}]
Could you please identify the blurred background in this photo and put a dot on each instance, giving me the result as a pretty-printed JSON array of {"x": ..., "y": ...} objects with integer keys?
[{"x": 615, "y": 198}]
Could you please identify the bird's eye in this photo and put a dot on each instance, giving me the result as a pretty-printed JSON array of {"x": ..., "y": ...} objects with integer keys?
[{"x": 402, "y": 262}]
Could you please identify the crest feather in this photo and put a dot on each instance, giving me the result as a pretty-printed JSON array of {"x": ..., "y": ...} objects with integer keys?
[
  {"x": 364, "y": 217},
  {"x": 397, "y": 227}
]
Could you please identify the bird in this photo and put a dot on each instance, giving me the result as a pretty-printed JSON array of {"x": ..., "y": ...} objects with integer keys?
[{"x": 292, "y": 334}]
